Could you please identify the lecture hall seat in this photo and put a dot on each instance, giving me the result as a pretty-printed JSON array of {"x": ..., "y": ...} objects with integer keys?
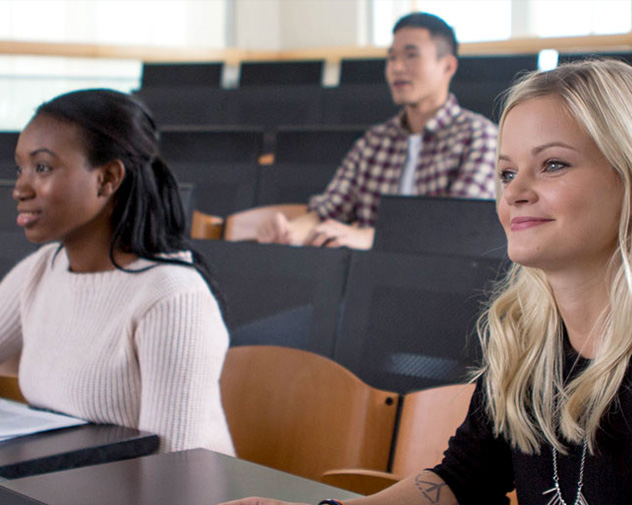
[
  {"x": 428, "y": 419},
  {"x": 407, "y": 321},
  {"x": 305, "y": 160},
  {"x": 9, "y": 387},
  {"x": 221, "y": 164},
  {"x": 279, "y": 295},
  {"x": 302, "y": 413},
  {"x": 206, "y": 226}
]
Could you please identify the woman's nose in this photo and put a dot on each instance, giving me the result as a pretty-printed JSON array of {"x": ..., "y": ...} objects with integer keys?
[
  {"x": 519, "y": 190},
  {"x": 22, "y": 190}
]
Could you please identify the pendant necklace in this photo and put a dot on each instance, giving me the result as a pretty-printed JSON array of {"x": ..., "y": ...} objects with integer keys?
[{"x": 557, "y": 498}]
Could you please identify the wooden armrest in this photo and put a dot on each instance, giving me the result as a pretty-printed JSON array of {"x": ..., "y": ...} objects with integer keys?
[
  {"x": 9, "y": 387},
  {"x": 206, "y": 226},
  {"x": 10, "y": 367},
  {"x": 359, "y": 480},
  {"x": 266, "y": 159}
]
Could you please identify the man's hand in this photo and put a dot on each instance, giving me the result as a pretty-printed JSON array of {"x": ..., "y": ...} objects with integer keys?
[
  {"x": 331, "y": 233},
  {"x": 275, "y": 229},
  {"x": 309, "y": 230}
]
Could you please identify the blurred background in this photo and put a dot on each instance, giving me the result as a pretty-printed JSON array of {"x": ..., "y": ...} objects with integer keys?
[{"x": 51, "y": 46}]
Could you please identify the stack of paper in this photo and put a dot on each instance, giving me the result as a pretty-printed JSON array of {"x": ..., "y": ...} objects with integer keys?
[{"x": 18, "y": 419}]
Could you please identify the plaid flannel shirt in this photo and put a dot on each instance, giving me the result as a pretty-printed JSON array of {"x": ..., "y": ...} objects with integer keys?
[{"x": 457, "y": 158}]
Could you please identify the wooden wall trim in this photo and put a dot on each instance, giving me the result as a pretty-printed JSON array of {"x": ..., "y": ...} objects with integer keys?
[{"x": 621, "y": 42}]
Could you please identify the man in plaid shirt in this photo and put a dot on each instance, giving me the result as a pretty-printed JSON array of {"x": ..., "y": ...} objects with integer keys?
[{"x": 433, "y": 147}]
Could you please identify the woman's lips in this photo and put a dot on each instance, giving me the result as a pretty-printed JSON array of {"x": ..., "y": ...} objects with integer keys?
[
  {"x": 523, "y": 223},
  {"x": 27, "y": 218}
]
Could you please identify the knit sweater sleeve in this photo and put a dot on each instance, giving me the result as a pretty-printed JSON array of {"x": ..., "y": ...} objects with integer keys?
[
  {"x": 181, "y": 343},
  {"x": 12, "y": 287}
]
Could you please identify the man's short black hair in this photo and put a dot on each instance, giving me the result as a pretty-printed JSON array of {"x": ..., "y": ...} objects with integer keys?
[{"x": 437, "y": 27}]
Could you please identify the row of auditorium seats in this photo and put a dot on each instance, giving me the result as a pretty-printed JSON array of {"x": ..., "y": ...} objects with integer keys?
[
  {"x": 269, "y": 106},
  {"x": 224, "y": 165},
  {"x": 274, "y": 93},
  {"x": 399, "y": 320},
  {"x": 401, "y": 316},
  {"x": 352, "y": 70}
]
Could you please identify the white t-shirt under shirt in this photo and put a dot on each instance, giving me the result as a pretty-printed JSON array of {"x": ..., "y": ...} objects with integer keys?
[
  {"x": 143, "y": 350},
  {"x": 407, "y": 181}
]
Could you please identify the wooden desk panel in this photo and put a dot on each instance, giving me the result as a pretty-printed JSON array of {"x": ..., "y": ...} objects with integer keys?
[
  {"x": 67, "y": 448},
  {"x": 195, "y": 477}
]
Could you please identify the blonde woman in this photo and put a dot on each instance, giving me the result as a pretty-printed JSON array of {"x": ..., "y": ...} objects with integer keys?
[{"x": 552, "y": 411}]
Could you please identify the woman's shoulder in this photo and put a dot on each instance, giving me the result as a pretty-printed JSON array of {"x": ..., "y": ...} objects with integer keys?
[
  {"x": 36, "y": 261},
  {"x": 174, "y": 287},
  {"x": 172, "y": 278},
  {"x": 44, "y": 253}
]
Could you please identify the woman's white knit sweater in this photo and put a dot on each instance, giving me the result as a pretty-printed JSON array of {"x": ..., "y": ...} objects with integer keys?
[{"x": 143, "y": 350}]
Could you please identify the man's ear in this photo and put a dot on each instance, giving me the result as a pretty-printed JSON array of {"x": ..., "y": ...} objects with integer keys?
[
  {"x": 111, "y": 176},
  {"x": 450, "y": 65}
]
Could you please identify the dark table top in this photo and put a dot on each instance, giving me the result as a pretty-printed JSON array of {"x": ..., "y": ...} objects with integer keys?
[
  {"x": 193, "y": 477},
  {"x": 8, "y": 497},
  {"x": 66, "y": 448}
]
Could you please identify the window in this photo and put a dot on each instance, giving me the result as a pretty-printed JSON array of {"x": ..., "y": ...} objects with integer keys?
[
  {"x": 27, "y": 81},
  {"x": 486, "y": 20},
  {"x": 493, "y": 17},
  {"x": 580, "y": 17}
]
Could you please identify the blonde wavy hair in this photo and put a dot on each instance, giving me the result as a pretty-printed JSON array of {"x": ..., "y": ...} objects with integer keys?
[{"x": 521, "y": 331}]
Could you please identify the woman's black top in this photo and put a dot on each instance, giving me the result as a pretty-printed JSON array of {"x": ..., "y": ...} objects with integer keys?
[{"x": 482, "y": 469}]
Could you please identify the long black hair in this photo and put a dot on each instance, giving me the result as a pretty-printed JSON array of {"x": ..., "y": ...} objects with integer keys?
[{"x": 148, "y": 219}]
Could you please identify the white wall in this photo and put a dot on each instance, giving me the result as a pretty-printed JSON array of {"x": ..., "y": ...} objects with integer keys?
[
  {"x": 257, "y": 24},
  {"x": 299, "y": 24},
  {"x": 206, "y": 23},
  {"x": 322, "y": 23}
]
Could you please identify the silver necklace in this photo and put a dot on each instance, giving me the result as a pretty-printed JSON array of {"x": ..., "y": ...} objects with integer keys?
[{"x": 557, "y": 493}]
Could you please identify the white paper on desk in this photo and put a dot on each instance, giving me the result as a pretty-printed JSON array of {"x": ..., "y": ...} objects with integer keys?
[{"x": 18, "y": 419}]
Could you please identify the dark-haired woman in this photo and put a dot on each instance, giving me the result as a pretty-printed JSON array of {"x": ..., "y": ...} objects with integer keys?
[{"x": 115, "y": 320}]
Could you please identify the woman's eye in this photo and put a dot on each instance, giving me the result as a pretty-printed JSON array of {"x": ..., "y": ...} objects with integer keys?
[
  {"x": 554, "y": 166},
  {"x": 40, "y": 168},
  {"x": 18, "y": 170},
  {"x": 506, "y": 176}
]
